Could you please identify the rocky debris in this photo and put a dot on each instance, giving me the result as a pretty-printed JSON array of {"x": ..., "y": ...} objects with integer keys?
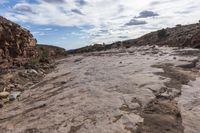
[
  {"x": 98, "y": 94},
  {"x": 4, "y": 94},
  {"x": 22, "y": 63},
  {"x": 15, "y": 81},
  {"x": 16, "y": 44}
]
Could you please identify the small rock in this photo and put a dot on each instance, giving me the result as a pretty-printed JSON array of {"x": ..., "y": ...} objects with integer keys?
[
  {"x": 63, "y": 82},
  {"x": 32, "y": 71},
  {"x": 11, "y": 86},
  {"x": 14, "y": 95},
  {"x": 4, "y": 94},
  {"x": 174, "y": 58}
]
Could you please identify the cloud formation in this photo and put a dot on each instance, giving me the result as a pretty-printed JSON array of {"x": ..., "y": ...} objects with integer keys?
[
  {"x": 23, "y": 8},
  {"x": 135, "y": 22},
  {"x": 54, "y": 1},
  {"x": 77, "y": 11},
  {"x": 81, "y": 2},
  {"x": 106, "y": 20},
  {"x": 146, "y": 14}
]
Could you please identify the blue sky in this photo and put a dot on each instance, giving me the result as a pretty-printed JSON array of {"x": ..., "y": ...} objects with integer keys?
[{"x": 76, "y": 23}]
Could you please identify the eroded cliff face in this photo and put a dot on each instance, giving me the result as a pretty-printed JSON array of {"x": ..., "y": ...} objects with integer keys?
[{"x": 16, "y": 43}]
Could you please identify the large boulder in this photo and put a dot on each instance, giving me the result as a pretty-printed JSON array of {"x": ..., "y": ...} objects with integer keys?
[{"x": 15, "y": 42}]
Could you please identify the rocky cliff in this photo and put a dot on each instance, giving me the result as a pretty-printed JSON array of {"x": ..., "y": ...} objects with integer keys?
[{"x": 16, "y": 43}]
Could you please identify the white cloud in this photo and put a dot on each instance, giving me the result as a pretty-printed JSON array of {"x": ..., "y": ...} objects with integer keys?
[
  {"x": 38, "y": 33},
  {"x": 47, "y": 29},
  {"x": 107, "y": 15}
]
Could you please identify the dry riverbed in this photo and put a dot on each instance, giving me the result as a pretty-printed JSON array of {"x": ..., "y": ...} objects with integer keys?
[{"x": 136, "y": 90}]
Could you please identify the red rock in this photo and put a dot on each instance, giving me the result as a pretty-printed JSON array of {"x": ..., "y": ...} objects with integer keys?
[{"x": 15, "y": 42}]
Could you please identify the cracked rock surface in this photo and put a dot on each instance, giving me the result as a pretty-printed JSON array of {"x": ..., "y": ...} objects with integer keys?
[{"x": 140, "y": 89}]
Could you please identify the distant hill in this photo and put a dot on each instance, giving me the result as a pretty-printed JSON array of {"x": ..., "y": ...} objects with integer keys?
[
  {"x": 52, "y": 51},
  {"x": 179, "y": 36}
]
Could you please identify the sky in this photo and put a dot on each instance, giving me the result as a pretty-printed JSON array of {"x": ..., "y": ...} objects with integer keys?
[{"x": 77, "y": 23}]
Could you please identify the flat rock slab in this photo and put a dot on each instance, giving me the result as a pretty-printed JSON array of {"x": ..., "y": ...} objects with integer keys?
[{"x": 92, "y": 93}]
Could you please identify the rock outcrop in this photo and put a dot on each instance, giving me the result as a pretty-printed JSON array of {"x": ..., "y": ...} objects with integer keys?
[
  {"x": 179, "y": 36},
  {"x": 16, "y": 43}
]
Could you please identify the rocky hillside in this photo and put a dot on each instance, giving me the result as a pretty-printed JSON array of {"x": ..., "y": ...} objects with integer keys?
[
  {"x": 16, "y": 43},
  {"x": 179, "y": 36},
  {"x": 50, "y": 51}
]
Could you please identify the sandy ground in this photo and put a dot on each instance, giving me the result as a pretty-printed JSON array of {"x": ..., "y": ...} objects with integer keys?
[{"x": 137, "y": 90}]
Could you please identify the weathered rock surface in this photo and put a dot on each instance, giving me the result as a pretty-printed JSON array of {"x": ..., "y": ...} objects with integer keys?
[
  {"x": 117, "y": 91},
  {"x": 16, "y": 44}
]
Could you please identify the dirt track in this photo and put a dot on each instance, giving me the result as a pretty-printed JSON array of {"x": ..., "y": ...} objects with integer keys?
[{"x": 119, "y": 91}]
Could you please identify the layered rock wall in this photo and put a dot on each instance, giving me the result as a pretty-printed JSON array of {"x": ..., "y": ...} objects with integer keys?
[{"x": 15, "y": 42}]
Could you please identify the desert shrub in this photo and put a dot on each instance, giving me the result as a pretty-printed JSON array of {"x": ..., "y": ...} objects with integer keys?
[
  {"x": 162, "y": 33},
  {"x": 44, "y": 56},
  {"x": 34, "y": 61}
]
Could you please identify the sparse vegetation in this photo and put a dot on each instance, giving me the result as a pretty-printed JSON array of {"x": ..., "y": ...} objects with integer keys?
[
  {"x": 162, "y": 33},
  {"x": 44, "y": 56},
  {"x": 178, "y": 25}
]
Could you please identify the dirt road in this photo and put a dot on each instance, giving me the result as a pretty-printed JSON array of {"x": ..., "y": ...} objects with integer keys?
[{"x": 138, "y": 90}]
